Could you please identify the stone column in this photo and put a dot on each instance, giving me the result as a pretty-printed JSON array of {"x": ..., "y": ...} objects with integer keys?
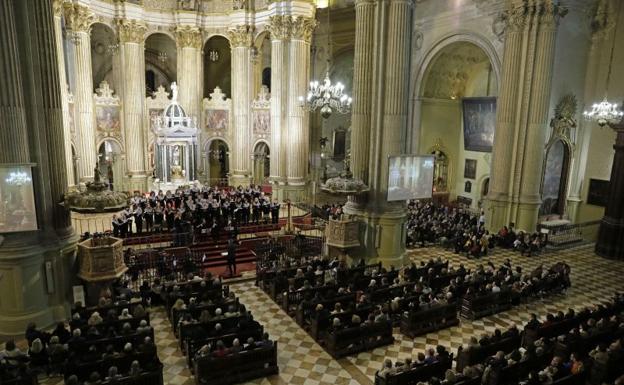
[
  {"x": 609, "y": 243},
  {"x": 298, "y": 124},
  {"x": 131, "y": 37},
  {"x": 539, "y": 102},
  {"x": 382, "y": 233},
  {"x": 522, "y": 115},
  {"x": 279, "y": 28},
  {"x": 362, "y": 87},
  {"x": 241, "y": 38},
  {"x": 189, "y": 42},
  {"x": 78, "y": 19},
  {"x": 35, "y": 266},
  {"x": 58, "y": 34}
]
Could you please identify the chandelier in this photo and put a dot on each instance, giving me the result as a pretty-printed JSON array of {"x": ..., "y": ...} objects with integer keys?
[
  {"x": 605, "y": 111},
  {"x": 162, "y": 56},
  {"x": 325, "y": 96},
  {"x": 18, "y": 178}
]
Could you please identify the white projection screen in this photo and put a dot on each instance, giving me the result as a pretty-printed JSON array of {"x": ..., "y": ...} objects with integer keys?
[{"x": 410, "y": 177}]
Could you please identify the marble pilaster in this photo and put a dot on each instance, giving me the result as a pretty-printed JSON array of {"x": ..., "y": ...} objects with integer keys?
[
  {"x": 132, "y": 42},
  {"x": 241, "y": 38},
  {"x": 78, "y": 19},
  {"x": 279, "y": 27},
  {"x": 58, "y": 35},
  {"x": 189, "y": 43},
  {"x": 298, "y": 124}
]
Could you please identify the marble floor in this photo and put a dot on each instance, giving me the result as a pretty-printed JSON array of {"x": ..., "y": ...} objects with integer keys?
[{"x": 303, "y": 361}]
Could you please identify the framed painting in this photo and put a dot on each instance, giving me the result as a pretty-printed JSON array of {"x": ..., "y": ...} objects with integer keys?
[
  {"x": 107, "y": 118},
  {"x": 470, "y": 169},
  {"x": 217, "y": 120},
  {"x": 598, "y": 192},
  {"x": 262, "y": 121},
  {"x": 479, "y": 123}
]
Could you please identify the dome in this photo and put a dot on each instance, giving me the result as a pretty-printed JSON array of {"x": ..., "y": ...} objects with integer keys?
[{"x": 175, "y": 111}]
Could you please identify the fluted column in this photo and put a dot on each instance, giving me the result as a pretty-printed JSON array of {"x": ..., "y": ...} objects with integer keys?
[
  {"x": 362, "y": 87},
  {"x": 279, "y": 28},
  {"x": 189, "y": 43},
  {"x": 78, "y": 19},
  {"x": 298, "y": 122},
  {"x": 131, "y": 36},
  {"x": 241, "y": 38},
  {"x": 58, "y": 35},
  {"x": 13, "y": 137},
  {"x": 522, "y": 115}
]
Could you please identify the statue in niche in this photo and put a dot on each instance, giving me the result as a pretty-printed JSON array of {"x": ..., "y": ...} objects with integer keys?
[
  {"x": 564, "y": 121},
  {"x": 239, "y": 4},
  {"x": 176, "y": 156}
]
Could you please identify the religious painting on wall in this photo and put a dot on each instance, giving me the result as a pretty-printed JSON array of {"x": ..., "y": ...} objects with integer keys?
[
  {"x": 470, "y": 169},
  {"x": 468, "y": 186},
  {"x": 479, "y": 123},
  {"x": 154, "y": 114},
  {"x": 553, "y": 188},
  {"x": 340, "y": 143},
  {"x": 261, "y": 122},
  {"x": 598, "y": 193},
  {"x": 107, "y": 118},
  {"x": 217, "y": 120}
]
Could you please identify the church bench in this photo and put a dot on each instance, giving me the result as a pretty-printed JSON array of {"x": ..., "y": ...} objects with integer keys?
[
  {"x": 319, "y": 325},
  {"x": 153, "y": 377},
  {"x": 85, "y": 313},
  {"x": 342, "y": 342},
  {"x": 203, "y": 330},
  {"x": 104, "y": 326},
  {"x": 426, "y": 320},
  {"x": 195, "y": 312},
  {"x": 303, "y": 316},
  {"x": 192, "y": 346},
  {"x": 291, "y": 298},
  {"x": 474, "y": 355},
  {"x": 484, "y": 305},
  {"x": 416, "y": 374},
  {"x": 118, "y": 342},
  {"x": 83, "y": 370},
  {"x": 239, "y": 367}
]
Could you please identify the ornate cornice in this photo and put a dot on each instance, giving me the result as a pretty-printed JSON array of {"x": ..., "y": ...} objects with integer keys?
[
  {"x": 57, "y": 6},
  {"x": 546, "y": 13},
  {"x": 279, "y": 27},
  {"x": 78, "y": 18},
  {"x": 131, "y": 31},
  {"x": 240, "y": 36},
  {"x": 302, "y": 28},
  {"x": 188, "y": 36},
  {"x": 602, "y": 21}
]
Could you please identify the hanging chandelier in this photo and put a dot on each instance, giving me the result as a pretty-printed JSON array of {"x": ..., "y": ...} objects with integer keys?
[
  {"x": 325, "y": 96},
  {"x": 18, "y": 178},
  {"x": 606, "y": 112}
]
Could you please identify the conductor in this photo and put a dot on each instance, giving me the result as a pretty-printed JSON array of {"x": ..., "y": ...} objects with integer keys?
[{"x": 231, "y": 256}]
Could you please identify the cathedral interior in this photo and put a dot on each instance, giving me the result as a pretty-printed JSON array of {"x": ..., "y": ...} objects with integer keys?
[{"x": 311, "y": 192}]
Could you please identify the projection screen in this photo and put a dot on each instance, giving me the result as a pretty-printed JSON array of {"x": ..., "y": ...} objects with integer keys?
[{"x": 410, "y": 177}]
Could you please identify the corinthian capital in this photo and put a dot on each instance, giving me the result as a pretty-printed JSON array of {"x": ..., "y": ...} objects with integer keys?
[
  {"x": 188, "y": 36},
  {"x": 603, "y": 20},
  {"x": 78, "y": 18},
  {"x": 302, "y": 28},
  {"x": 57, "y": 6},
  {"x": 524, "y": 12},
  {"x": 240, "y": 36},
  {"x": 550, "y": 13},
  {"x": 279, "y": 27},
  {"x": 131, "y": 31}
]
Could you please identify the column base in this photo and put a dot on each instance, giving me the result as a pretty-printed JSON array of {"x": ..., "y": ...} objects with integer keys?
[
  {"x": 527, "y": 215},
  {"x": 136, "y": 182},
  {"x": 609, "y": 244},
  {"x": 36, "y": 283},
  {"x": 497, "y": 214},
  {"x": 382, "y": 236},
  {"x": 572, "y": 209}
]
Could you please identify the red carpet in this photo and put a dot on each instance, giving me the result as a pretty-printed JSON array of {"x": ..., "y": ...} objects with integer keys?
[{"x": 240, "y": 268}]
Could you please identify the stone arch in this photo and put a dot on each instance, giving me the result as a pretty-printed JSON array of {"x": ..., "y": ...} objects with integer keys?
[
  {"x": 218, "y": 68},
  {"x": 455, "y": 37}
]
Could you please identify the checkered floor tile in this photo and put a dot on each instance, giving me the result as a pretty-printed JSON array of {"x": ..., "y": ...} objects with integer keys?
[{"x": 303, "y": 361}]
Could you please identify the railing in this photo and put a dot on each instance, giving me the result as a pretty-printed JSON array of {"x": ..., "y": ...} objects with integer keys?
[{"x": 571, "y": 234}]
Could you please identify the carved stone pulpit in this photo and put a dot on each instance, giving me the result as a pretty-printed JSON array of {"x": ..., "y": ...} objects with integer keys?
[
  {"x": 342, "y": 234},
  {"x": 101, "y": 263}
]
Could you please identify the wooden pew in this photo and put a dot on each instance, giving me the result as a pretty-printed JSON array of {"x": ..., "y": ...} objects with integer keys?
[
  {"x": 429, "y": 319},
  {"x": 234, "y": 368}
]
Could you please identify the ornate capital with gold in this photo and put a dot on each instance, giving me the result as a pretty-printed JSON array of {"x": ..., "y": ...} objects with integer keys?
[
  {"x": 131, "y": 31},
  {"x": 78, "y": 18},
  {"x": 302, "y": 28},
  {"x": 57, "y": 6},
  {"x": 240, "y": 36},
  {"x": 523, "y": 13},
  {"x": 188, "y": 36},
  {"x": 279, "y": 27}
]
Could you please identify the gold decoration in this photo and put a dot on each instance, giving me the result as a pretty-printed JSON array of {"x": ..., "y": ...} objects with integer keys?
[
  {"x": 302, "y": 28},
  {"x": 543, "y": 12},
  {"x": 240, "y": 36},
  {"x": 188, "y": 36},
  {"x": 57, "y": 6},
  {"x": 279, "y": 27},
  {"x": 603, "y": 20},
  {"x": 131, "y": 31},
  {"x": 78, "y": 18}
]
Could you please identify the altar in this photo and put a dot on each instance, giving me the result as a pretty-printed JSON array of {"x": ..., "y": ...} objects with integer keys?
[{"x": 176, "y": 146}]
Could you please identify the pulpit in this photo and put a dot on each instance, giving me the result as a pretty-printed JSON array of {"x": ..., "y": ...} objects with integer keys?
[
  {"x": 101, "y": 263},
  {"x": 342, "y": 234}
]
